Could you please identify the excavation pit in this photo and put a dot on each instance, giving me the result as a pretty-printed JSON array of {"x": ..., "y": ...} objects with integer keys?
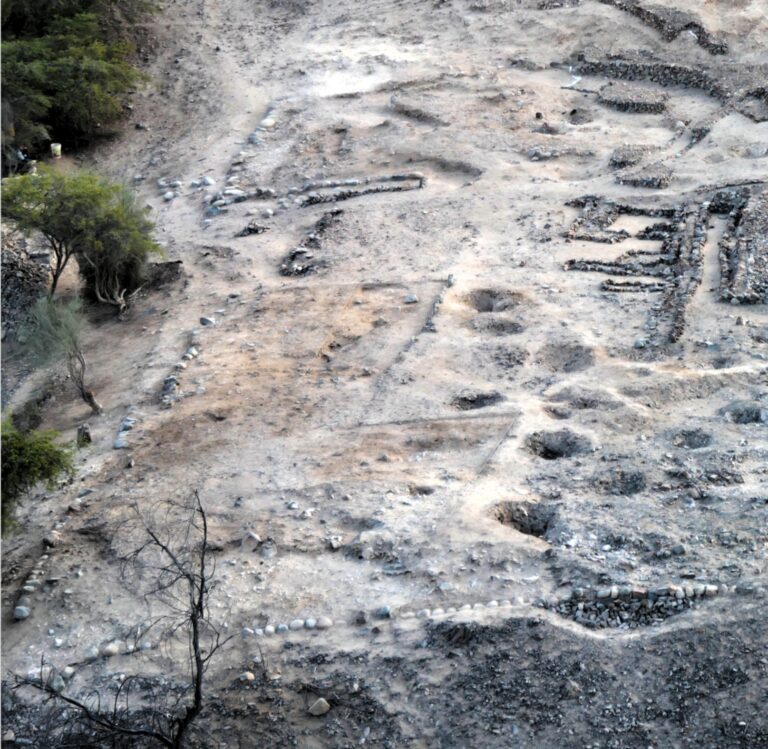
[
  {"x": 745, "y": 412},
  {"x": 530, "y": 518},
  {"x": 562, "y": 443},
  {"x": 469, "y": 400},
  {"x": 692, "y": 439},
  {"x": 621, "y": 482},
  {"x": 494, "y": 300}
]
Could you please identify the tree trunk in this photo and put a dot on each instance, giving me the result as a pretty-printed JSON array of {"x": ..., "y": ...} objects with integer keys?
[
  {"x": 90, "y": 399},
  {"x": 60, "y": 258},
  {"x": 77, "y": 367},
  {"x": 54, "y": 282}
]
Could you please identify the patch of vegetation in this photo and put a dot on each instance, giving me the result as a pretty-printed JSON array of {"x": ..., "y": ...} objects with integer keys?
[
  {"x": 66, "y": 68},
  {"x": 54, "y": 333},
  {"x": 86, "y": 217},
  {"x": 28, "y": 459}
]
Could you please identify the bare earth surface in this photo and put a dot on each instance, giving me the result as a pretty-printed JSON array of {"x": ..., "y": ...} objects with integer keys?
[{"x": 487, "y": 379}]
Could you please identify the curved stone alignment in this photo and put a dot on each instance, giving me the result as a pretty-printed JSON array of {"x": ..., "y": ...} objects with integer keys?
[
  {"x": 626, "y": 607},
  {"x": 670, "y": 22}
]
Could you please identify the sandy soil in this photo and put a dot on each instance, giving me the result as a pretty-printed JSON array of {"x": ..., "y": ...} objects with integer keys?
[{"x": 391, "y": 423}]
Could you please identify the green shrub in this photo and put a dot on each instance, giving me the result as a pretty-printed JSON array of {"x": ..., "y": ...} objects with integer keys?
[
  {"x": 113, "y": 262},
  {"x": 28, "y": 459},
  {"x": 85, "y": 216},
  {"x": 54, "y": 333}
]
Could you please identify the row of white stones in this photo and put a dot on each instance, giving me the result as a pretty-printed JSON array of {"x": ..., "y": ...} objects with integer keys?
[{"x": 325, "y": 622}]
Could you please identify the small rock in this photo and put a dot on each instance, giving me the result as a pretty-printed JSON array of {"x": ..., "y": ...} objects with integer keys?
[
  {"x": 207, "y": 321},
  {"x": 84, "y": 435},
  {"x": 246, "y": 677},
  {"x": 296, "y": 625},
  {"x": 109, "y": 649},
  {"x": 324, "y": 623},
  {"x": 572, "y": 688},
  {"x": 411, "y": 299},
  {"x": 52, "y": 539},
  {"x": 251, "y": 541},
  {"x": 168, "y": 196},
  {"x": 20, "y": 613},
  {"x": 383, "y": 612},
  {"x": 208, "y": 181},
  {"x": 269, "y": 630},
  {"x": 281, "y": 629},
  {"x": 310, "y": 623},
  {"x": 319, "y": 707}
]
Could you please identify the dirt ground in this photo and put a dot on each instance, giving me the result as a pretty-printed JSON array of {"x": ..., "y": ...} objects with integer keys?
[{"x": 487, "y": 375}]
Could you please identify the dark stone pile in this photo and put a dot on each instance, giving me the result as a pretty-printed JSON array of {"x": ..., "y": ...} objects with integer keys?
[
  {"x": 592, "y": 223},
  {"x": 402, "y": 183},
  {"x": 626, "y": 607},
  {"x": 629, "y": 155},
  {"x": 598, "y": 213},
  {"x": 663, "y": 73},
  {"x": 744, "y": 252},
  {"x": 25, "y": 278},
  {"x": 626, "y": 97},
  {"x": 656, "y": 176},
  {"x": 301, "y": 260}
]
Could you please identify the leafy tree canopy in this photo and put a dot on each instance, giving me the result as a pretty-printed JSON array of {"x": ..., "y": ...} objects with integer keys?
[
  {"x": 66, "y": 65},
  {"x": 28, "y": 459},
  {"x": 88, "y": 217}
]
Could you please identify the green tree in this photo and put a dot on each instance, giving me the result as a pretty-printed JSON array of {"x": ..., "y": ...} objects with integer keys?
[
  {"x": 28, "y": 459},
  {"x": 66, "y": 84},
  {"x": 85, "y": 216},
  {"x": 113, "y": 262},
  {"x": 25, "y": 18},
  {"x": 54, "y": 333}
]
